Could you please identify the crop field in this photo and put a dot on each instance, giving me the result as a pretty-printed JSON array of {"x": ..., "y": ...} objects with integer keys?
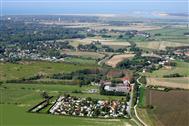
[
  {"x": 139, "y": 27},
  {"x": 168, "y": 37},
  {"x": 108, "y": 42},
  {"x": 25, "y": 69},
  {"x": 99, "y": 26},
  {"x": 92, "y": 55},
  {"x": 170, "y": 108},
  {"x": 160, "y": 45},
  {"x": 74, "y": 24},
  {"x": 117, "y": 59},
  {"x": 156, "y": 77},
  {"x": 181, "y": 68},
  {"x": 179, "y": 82},
  {"x": 171, "y": 34}
]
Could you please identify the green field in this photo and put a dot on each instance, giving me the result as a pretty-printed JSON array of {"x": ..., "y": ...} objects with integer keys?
[
  {"x": 12, "y": 115},
  {"x": 30, "y": 94},
  {"x": 142, "y": 97},
  {"x": 159, "y": 45},
  {"x": 25, "y": 69},
  {"x": 168, "y": 37},
  {"x": 16, "y": 99},
  {"x": 171, "y": 34},
  {"x": 80, "y": 61},
  {"x": 181, "y": 68},
  {"x": 86, "y": 55}
]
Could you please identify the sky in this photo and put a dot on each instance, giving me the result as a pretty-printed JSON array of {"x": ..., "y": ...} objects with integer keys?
[{"x": 34, "y": 7}]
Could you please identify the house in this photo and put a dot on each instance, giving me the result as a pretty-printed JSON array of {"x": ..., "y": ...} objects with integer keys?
[{"x": 68, "y": 105}]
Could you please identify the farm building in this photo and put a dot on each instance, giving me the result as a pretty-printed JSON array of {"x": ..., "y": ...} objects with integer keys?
[{"x": 124, "y": 87}]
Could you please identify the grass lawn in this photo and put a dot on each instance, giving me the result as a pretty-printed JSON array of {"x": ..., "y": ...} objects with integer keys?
[
  {"x": 80, "y": 61},
  {"x": 142, "y": 97},
  {"x": 30, "y": 94},
  {"x": 26, "y": 69},
  {"x": 12, "y": 115}
]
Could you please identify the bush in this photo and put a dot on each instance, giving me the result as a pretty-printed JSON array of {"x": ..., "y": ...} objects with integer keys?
[
  {"x": 143, "y": 80},
  {"x": 173, "y": 75},
  {"x": 76, "y": 91},
  {"x": 150, "y": 106}
]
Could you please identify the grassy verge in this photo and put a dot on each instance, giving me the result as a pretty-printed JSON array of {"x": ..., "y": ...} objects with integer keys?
[
  {"x": 145, "y": 116},
  {"x": 142, "y": 97}
]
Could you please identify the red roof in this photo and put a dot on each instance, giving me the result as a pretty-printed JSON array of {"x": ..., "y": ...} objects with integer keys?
[{"x": 125, "y": 78}]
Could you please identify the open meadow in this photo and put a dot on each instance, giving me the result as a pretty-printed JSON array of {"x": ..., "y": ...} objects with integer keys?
[
  {"x": 80, "y": 60},
  {"x": 16, "y": 99},
  {"x": 10, "y": 117},
  {"x": 91, "y": 55},
  {"x": 175, "y": 34},
  {"x": 10, "y": 71},
  {"x": 159, "y": 45},
  {"x": 181, "y": 68},
  {"x": 30, "y": 94}
]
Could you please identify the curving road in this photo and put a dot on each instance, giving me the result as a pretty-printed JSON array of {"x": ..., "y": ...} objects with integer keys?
[{"x": 136, "y": 114}]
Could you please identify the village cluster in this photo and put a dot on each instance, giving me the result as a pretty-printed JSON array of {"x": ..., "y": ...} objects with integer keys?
[{"x": 68, "y": 105}]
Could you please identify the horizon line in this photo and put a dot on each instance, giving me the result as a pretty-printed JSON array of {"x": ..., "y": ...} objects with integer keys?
[{"x": 84, "y": 1}]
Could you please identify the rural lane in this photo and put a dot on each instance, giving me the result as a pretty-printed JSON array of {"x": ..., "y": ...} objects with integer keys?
[{"x": 135, "y": 111}]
